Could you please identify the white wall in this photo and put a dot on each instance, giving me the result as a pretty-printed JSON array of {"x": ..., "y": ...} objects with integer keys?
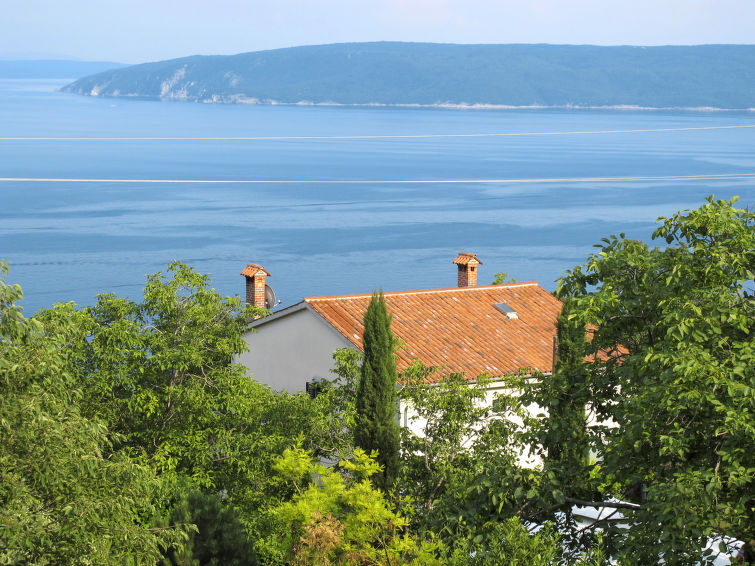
[{"x": 288, "y": 351}]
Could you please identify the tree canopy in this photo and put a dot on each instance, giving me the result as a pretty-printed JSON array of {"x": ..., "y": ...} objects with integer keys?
[
  {"x": 68, "y": 494},
  {"x": 672, "y": 378}
]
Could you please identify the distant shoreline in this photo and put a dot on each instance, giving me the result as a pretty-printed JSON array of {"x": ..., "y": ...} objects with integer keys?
[
  {"x": 242, "y": 100},
  {"x": 710, "y": 78}
]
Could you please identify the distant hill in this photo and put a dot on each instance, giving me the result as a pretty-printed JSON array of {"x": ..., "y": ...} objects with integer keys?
[
  {"x": 427, "y": 73},
  {"x": 52, "y": 68}
]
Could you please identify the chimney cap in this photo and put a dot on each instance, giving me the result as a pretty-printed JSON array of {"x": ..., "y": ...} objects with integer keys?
[
  {"x": 253, "y": 269},
  {"x": 466, "y": 259}
]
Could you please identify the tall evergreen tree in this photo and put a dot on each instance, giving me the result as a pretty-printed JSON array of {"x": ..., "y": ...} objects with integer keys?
[{"x": 376, "y": 405}]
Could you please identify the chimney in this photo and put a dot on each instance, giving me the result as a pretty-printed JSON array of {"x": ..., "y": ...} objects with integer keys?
[
  {"x": 255, "y": 284},
  {"x": 467, "y": 269}
]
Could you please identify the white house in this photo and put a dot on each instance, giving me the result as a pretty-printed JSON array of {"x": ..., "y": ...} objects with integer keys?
[{"x": 491, "y": 329}]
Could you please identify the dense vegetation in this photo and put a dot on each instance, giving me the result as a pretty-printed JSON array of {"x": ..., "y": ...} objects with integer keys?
[
  {"x": 720, "y": 76},
  {"x": 129, "y": 436}
]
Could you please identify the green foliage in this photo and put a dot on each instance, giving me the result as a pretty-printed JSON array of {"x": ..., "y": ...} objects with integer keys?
[
  {"x": 376, "y": 402},
  {"x": 220, "y": 538},
  {"x": 509, "y": 541},
  {"x": 676, "y": 330},
  {"x": 565, "y": 396},
  {"x": 334, "y": 519},
  {"x": 326, "y": 422},
  {"x": 450, "y": 414},
  {"x": 558, "y": 434},
  {"x": 462, "y": 470},
  {"x": 343, "y": 389},
  {"x": 67, "y": 494},
  {"x": 488, "y": 485},
  {"x": 159, "y": 372},
  {"x": 105, "y": 412},
  {"x": 506, "y": 542},
  {"x": 502, "y": 277},
  {"x": 160, "y": 375}
]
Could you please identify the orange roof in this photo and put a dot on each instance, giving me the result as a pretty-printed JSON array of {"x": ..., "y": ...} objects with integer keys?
[{"x": 459, "y": 329}]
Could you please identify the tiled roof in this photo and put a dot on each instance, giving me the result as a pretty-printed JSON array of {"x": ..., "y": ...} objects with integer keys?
[{"x": 460, "y": 329}]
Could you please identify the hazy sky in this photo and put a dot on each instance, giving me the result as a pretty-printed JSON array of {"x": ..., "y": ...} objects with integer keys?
[{"x": 134, "y": 31}]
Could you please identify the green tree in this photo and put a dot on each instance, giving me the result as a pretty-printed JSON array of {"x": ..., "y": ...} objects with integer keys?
[
  {"x": 377, "y": 428},
  {"x": 502, "y": 277},
  {"x": 673, "y": 373},
  {"x": 558, "y": 435},
  {"x": 662, "y": 396},
  {"x": 67, "y": 494},
  {"x": 565, "y": 396},
  {"x": 340, "y": 519},
  {"x": 506, "y": 542},
  {"x": 160, "y": 373},
  {"x": 451, "y": 415},
  {"x": 220, "y": 538},
  {"x": 462, "y": 470},
  {"x": 327, "y": 421},
  {"x": 479, "y": 469}
]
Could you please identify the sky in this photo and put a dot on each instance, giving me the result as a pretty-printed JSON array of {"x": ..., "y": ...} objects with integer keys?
[{"x": 135, "y": 31}]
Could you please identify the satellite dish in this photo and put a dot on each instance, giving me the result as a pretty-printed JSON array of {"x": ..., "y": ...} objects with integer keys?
[{"x": 269, "y": 297}]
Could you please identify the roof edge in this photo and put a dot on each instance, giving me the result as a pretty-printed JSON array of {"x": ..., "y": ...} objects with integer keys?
[
  {"x": 301, "y": 305},
  {"x": 423, "y": 291},
  {"x": 278, "y": 314},
  {"x": 332, "y": 327}
]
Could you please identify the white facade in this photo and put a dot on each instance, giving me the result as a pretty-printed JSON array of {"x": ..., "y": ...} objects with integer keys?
[{"x": 293, "y": 346}]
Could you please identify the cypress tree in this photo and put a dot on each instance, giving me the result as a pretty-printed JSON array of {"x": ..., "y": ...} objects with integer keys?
[{"x": 376, "y": 403}]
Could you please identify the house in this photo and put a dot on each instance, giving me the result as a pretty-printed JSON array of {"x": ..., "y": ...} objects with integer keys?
[{"x": 491, "y": 329}]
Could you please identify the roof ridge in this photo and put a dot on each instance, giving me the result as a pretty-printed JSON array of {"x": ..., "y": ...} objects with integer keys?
[{"x": 426, "y": 291}]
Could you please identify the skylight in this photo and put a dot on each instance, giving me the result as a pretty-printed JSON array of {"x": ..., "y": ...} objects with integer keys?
[{"x": 507, "y": 310}]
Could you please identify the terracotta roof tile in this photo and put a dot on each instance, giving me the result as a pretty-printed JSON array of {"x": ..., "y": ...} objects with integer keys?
[{"x": 460, "y": 329}]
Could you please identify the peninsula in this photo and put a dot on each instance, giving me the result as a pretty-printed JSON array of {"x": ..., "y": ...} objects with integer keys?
[{"x": 429, "y": 74}]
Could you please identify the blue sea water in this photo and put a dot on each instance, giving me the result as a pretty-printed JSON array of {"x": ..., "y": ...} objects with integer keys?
[{"x": 68, "y": 241}]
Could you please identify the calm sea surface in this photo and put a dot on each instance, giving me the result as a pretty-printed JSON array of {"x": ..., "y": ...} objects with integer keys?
[{"x": 67, "y": 240}]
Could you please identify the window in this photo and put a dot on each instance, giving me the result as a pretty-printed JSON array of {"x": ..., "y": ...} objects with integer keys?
[
  {"x": 507, "y": 310},
  {"x": 314, "y": 387}
]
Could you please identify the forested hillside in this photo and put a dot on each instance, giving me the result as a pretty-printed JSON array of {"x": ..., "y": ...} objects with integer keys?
[{"x": 721, "y": 76}]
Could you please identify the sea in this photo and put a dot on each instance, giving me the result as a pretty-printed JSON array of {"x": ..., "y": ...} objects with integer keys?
[{"x": 97, "y": 193}]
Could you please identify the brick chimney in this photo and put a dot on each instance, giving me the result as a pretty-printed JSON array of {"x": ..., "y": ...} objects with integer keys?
[
  {"x": 467, "y": 269},
  {"x": 255, "y": 284}
]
